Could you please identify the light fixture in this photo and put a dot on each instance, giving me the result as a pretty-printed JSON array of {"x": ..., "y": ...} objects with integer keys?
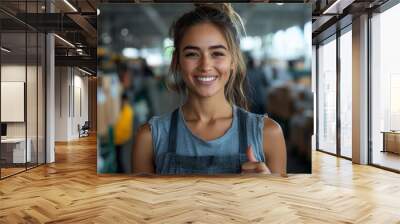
[
  {"x": 337, "y": 7},
  {"x": 124, "y": 32},
  {"x": 65, "y": 41},
  {"x": 5, "y": 50},
  {"x": 70, "y": 5},
  {"x": 130, "y": 52},
  {"x": 86, "y": 72},
  {"x": 326, "y": 11}
]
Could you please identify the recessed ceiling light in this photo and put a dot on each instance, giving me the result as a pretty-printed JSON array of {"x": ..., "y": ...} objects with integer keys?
[
  {"x": 86, "y": 72},
  {"x": 334, "y": 7},
  {"x": 5, "y": 50},
  {"x": 64, "y": 40},
  {"x": 71, "y": 6}
]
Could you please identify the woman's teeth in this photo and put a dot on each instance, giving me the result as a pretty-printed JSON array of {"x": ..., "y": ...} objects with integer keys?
[{"x": 206, "y": 78}]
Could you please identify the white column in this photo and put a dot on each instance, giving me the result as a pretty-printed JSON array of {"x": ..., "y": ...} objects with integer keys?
[
  {"x": 62, "y": 103},
  {"x": 360, "y": 90},
  {"x": 50, "y": 93}
]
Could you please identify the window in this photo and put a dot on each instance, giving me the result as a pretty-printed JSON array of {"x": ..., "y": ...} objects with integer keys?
[
  {"x": 346, "y": 94},
  {"x": 385, "y": 86},
  {"x": 327, "y": 97}
]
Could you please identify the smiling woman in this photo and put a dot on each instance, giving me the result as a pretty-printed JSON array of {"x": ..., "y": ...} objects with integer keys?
[{"x": 211, "y": 133}]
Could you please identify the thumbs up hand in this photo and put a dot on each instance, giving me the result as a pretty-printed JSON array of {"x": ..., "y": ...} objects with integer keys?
[{"x": 254, "y": 166}]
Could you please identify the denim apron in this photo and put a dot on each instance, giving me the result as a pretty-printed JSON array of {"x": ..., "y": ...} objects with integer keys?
[{"x": 182, "y": 164}]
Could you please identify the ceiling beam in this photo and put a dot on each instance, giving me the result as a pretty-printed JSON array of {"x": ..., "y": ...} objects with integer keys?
[
  {"x": 81, "y": 61},
  {"x": 84, "y": 24}
]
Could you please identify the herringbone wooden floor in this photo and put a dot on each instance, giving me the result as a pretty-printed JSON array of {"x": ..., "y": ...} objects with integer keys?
[{"x": 70, "y": 191}]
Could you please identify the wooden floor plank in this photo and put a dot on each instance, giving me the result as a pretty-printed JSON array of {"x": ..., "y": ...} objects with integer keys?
[{"x": 70, "y": 191}]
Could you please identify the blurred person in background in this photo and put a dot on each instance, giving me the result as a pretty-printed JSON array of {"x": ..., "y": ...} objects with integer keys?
[
  {"x": 123, "y": 131},
  {"x": 276, "y": 72},
  {"x": 142, "y": 87},
  {"x": 123, "y": 128},
  {"x": 125, "y": 76},
  {"x": 257, "y": 86},
  {"x": 146, "y": 70},
  {"x": 211, "y": 132}
]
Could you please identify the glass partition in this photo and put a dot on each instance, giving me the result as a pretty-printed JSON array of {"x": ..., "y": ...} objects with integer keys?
[
  {"x": 22, "y": 87},
  {"x": 14, "y": 152},
  {"x": 327, "y": 96},
  {"x": 31, "y": 97}
]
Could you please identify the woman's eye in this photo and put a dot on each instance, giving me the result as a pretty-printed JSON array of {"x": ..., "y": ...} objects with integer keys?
[
  {"x": 190, "y": 54},
  {"x": 218, "y": 54}
]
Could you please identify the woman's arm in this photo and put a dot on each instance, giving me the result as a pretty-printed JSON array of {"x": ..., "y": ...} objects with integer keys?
[
  {"x": 274, "y": 147},
  {"x": 142, "y": 156}
]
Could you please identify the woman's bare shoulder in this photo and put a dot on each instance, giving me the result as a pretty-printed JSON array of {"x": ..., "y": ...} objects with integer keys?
[
  {"x": 144, "y": 128},
  {"x": 274, "y": 146},
  {"x": 143, "y": 136},
  {"x": 144, "y": 132},
  {"x": 143, "y": 150},
  {"x": 271, "y": 127}
]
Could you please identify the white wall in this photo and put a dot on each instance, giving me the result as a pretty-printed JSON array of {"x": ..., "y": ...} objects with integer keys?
[
  {"x": 71, "y": 93},
  {"x": 61, "y": 103},
  {"x": 33, "y": 126},
  {"x": 13, "y": 73}
]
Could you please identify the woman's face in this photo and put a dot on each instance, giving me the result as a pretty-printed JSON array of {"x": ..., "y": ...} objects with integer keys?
[{"x": 205, "y": 61}]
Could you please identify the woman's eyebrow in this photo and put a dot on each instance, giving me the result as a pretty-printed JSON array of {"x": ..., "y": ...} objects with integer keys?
[
  {"x": 190, "y": 47},
  {"x": 217, "y": 47}
]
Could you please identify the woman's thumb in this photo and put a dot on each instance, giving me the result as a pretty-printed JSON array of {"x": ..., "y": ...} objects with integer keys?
[{"x": 250, "y": 154}]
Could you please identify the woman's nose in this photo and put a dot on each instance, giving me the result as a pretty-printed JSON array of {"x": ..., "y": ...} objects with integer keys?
[{"x": 205, "y": 64}]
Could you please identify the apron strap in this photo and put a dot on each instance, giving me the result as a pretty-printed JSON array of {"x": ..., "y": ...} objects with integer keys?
[
  {"x": 242, "y": 117},
  {"x": 173, "y": 131}
]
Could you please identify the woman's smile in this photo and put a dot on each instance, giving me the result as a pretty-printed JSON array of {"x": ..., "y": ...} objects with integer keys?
[{"x": 205, "y": 79}]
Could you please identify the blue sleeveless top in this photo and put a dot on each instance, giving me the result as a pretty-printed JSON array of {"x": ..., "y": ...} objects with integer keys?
[{"x": 178, "y": 151}]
